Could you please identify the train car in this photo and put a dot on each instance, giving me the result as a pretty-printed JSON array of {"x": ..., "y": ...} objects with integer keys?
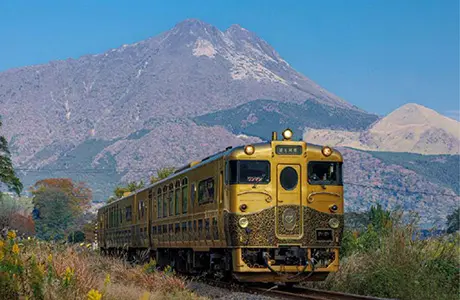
[{"x": 268, "y": 212}]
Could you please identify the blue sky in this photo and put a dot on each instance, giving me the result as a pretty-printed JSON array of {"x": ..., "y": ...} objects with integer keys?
[{"x": 376, "y": 54}]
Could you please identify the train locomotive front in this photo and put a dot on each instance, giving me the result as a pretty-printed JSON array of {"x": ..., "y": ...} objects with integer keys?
[{"x": 285, "y": 217}]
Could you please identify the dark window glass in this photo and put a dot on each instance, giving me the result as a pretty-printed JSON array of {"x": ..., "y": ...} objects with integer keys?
[
  {"x": 192, "y": 194},
  {"x": 206, "y": 191},
  {"x": 165, "y": 204},
  {"x": 184, "y": 199},
  {"x": 177, "y": 201},
  {"x": 171, "y": 203},
  {"x": 128, "y": 213},
  {"x": 159, "y": 203},
  {"x": 208, "y": 231},
  {"x": 325, "y": 173},
  {"x": 289, "y": 178},
  {"x": 233, "y": 171},
  {"x": 249, "y": 171},
  {"x": 215, "y": 229}
]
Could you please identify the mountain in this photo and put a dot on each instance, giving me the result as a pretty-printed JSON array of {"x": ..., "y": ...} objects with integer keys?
[
  {"x": 181, "y": 96},
  {"x": 117, "y": 101},
  {"x": 255, "y": 117},
  {"x": 410, "y": 128}
]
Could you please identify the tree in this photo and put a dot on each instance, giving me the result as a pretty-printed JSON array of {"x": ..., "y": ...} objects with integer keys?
[
  {"x": 79, "y": 194},
  {"x": 119, "y": 191},
  {"x": 76, "y": 237},
  {"x": 453, "y": 221},
  {"x": 162, "y": 174},
  {"x": 11, "y": 209},
  {"x": 380, "y": 218},
  {"x": 7, "y": 174},
  {"x": 55, "y": 216}
]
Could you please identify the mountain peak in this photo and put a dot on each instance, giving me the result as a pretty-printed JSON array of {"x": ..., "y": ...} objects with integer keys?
[
  {"x": 413, "y": 113},
  {"x": 191, "y": 22}
]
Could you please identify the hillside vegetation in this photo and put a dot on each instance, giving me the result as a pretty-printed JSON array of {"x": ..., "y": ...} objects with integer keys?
[
  {"x": 441, "y": 169},
  {"x": 260, "y": 117}
]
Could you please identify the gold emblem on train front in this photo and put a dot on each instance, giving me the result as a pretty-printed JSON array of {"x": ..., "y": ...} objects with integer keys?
[{"x": 289, "y": 219}]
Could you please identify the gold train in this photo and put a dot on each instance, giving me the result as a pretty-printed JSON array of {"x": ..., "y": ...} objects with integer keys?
[{"x": 268, "y": 212}]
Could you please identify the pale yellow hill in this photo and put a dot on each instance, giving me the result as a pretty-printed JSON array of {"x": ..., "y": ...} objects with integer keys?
[{"x": 410, "y": 128}]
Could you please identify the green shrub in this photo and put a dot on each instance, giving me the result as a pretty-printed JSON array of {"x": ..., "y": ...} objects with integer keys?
[{"x": 389, "y": 260}]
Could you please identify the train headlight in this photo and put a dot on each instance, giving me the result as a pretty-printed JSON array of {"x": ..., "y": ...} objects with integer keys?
[
  {"x": 327, "y": 151},
  {"x": 333, "y": 208},
  {"x": 249, "y": 149},
  {"x": 334, "y": 223},
  {"x": 287, "y": 134},
  {"x": 243, "y": 222}
]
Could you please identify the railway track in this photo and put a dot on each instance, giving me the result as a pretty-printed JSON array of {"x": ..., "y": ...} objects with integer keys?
[
  {"x": 308, "y": 293},
  {"x": 296, "y": 292}
]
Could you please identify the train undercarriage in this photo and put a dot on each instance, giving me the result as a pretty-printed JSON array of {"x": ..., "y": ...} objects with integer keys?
[{"x": 289, "y": 264}]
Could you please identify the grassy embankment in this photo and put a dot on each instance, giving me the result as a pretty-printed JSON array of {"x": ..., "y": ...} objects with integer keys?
[
  {"x": 387, "y": 259},
  {"x": 32, "y": 269}
]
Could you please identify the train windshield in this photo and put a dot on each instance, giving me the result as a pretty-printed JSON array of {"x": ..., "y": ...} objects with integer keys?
[
  {"x": 249, "y": 171},
  {"x": 325, "y": 173}
]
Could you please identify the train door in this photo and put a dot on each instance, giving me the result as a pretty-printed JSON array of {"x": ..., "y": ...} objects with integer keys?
[{"x": 289, "y": 202}]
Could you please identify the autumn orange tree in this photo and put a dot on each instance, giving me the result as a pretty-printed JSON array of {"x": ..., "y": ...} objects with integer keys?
[{"x": 59, "y": 203}]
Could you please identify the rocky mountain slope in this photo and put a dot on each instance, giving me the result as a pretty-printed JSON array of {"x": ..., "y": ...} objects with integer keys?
[
  {"x": 410, "y": 128},
  {"x": 180, "y": 96},
  {"x": 119, "y": 100}
]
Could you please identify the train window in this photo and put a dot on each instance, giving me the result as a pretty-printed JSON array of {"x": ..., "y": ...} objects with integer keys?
[
  {"x": 325, "y": 173},
  {"x": 171, "y": 203},
  {"x": 249, "y": 171},
  {"x": 289, "y": 178},
  {"x": 177, "y": 198},
  {"x": 165, "y": 202},
  {"x": 215, "y": 229},
  {"x": 207, "y": 229},
  {"x": 129, "y": 213},
  {"x": 120, "y": 212},
  {"x": 206, "y": 191},
  {"x": 200, "y": 227},
  {"x": 192, "y": 194},
  {"x": 184, "y": 229},
  {"x": 184, "y": 199},
  {"x": 159, "y": 204}
]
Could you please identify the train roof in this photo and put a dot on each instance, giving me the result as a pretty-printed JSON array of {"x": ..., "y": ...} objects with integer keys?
[{"x": 207, "y": 160}]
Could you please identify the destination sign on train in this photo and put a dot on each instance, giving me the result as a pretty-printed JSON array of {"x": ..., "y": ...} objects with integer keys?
[{"x": 288, "y": 150}]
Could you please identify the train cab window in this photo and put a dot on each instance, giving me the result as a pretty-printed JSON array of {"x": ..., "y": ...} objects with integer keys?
[
  {"x": 184, "y": 196},
  {"x": 249, "y": 172},
  {"x": 325, "y": 173},
  {"x": 159, "y": 204},
  {"x": 206, "y": 191},
  {"x": 177, "y": 194},
  {"x": 128, "y": 213}
]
